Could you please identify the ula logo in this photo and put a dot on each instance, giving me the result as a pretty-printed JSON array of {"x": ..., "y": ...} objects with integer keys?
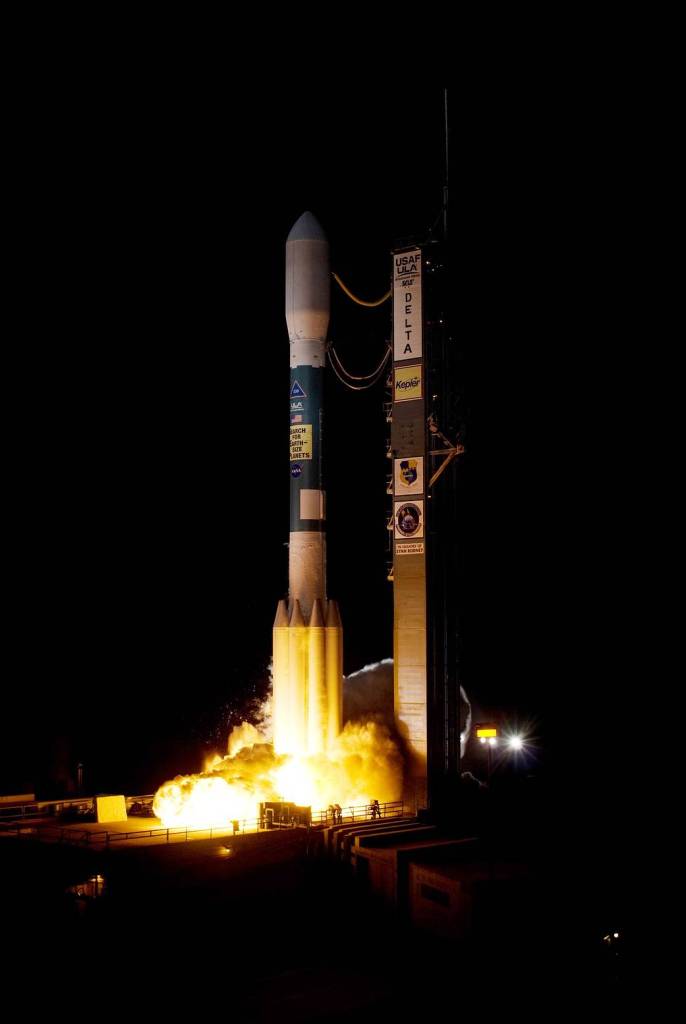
[{"x": 406, "y": 264}]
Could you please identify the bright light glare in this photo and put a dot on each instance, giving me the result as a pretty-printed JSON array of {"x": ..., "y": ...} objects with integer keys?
[
  {"x": 516, "y": 743},
  {"x": 492, "y": 742},
  {"x": 361, "y": 764}
]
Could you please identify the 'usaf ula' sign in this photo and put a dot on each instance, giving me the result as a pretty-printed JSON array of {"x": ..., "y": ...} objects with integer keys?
[{"x": 407, "y": 305}]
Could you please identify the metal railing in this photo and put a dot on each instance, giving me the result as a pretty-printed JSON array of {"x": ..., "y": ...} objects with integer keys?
[
  {"x": 106, "y": 837},
  {"x": 363, "y": 812},
  {"x": 181, "y": 833}
]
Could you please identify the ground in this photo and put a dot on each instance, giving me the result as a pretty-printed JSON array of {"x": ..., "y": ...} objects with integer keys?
[{"x": 259, "y": 928}]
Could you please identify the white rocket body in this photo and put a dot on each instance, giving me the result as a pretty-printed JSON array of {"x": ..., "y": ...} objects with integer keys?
[{"x": 308, "y": 636}]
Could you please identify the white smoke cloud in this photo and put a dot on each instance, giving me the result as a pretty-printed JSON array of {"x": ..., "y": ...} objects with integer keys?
[
  {"x": 365, "y": 761},
  {"x": 368, "y": 693}
]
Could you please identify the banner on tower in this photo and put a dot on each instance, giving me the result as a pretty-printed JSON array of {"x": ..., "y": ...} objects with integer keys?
[
  {"x": 409, "y": 476},
  {"x": 409, "y": 519},
  {"x": 412, "y": 548},
  {"x": 407, "y": 305},
  {"x": 407, "y": 383}
]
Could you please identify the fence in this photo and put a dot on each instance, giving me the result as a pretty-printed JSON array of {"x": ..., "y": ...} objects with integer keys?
[
  {"x": 363, "y": 812},
  {"x": 105, "y": 838}
]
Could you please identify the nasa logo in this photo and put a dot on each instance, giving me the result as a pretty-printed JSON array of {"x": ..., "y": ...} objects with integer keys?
[
  {"x": 296, "y": 470},
  {"x": 408, "y": 518}
]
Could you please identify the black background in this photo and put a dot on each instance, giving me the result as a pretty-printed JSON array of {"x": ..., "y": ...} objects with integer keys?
[{"x": 147, "y": 465}]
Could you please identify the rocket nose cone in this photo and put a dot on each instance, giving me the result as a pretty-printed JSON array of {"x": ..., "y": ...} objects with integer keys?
[{"x": 307, "y": 228}]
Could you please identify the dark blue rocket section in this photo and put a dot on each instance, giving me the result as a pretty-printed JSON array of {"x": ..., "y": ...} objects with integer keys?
[{"x": 305, "y": 401}]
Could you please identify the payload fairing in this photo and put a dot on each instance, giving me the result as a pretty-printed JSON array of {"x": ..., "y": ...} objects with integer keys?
[{"x": 308, "y": 636}]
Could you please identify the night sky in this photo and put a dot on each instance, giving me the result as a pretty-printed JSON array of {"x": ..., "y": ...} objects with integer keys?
[{"x": 148, "y": 458}]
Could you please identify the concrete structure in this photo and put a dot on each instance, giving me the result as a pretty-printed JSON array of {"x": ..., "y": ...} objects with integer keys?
[
  {"x": 12, "y": 799},
  {"x": 410, "y": 478},
  {"x": 441, "y": 897},
  {"x": 384, "y": 867},
  {"x": 448, "y": 897},
  {"x": 448, "y": 886},
  {"x": 425, "y": 427},
  {"x": 338, "y": 838}
]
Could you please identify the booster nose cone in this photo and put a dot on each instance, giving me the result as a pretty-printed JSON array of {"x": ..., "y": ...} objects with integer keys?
[
  {"x": 307, "y": 229},
  {"x": 308, "y": 288}
]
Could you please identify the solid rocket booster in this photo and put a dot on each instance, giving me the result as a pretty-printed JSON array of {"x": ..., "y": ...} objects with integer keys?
[{"x": 308, "y": 636}]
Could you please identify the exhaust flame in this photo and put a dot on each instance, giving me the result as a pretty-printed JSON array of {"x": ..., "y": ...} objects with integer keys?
[
  {"x": 244, "y": 735},
  {"x": 363, "y": 764}
]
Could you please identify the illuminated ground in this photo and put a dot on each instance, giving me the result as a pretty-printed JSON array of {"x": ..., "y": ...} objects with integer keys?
[
  {"x": 258, "y": 927},
  {"x": 146, "y": 832}
]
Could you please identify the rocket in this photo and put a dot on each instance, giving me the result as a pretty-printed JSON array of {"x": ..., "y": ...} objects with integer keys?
[{"x": 308, "y": 635}]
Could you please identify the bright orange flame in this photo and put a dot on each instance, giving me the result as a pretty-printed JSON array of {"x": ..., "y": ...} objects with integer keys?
[
  {"x": 211, "y": 762},
  {"x": 201, "y": 800},
  {"x": 363, "y": 764}
]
